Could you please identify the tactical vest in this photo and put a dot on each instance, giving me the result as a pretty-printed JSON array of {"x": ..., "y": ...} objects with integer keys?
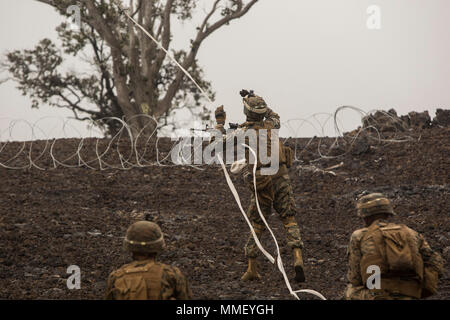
[
  {"x": 138, "y": 282},
  {"x": 285, "y": 153},
  {"x": 394, "y": 249}
]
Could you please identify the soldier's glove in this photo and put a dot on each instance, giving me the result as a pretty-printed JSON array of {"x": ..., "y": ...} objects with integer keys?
[
  {"x": 243, "y": 93},
  {"x": 221, "y": 115}
]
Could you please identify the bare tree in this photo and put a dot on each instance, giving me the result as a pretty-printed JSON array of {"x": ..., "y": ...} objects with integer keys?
[{"x": 133, "y": 76}]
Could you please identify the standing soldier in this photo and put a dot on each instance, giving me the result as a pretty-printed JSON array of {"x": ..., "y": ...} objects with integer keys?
[
  {"x": 144, "y": 278},
  {"x": 408, "y": 268},
  {"x": 273, "y": 190}
]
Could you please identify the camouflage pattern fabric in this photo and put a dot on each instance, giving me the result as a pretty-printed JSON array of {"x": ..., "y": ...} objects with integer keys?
[
  {"x": 273, "y": 191},
  {"x": 279, "y": 194},
  {"x": 221, "y": 116},
  {"x": 221, "y": 128},
  {"x": 273, "y": 118},
  {"x": 272, "y": 121},
  {"x": 173, "y": 284},
  {"x": 362, "y": 293},
  {"x": 357, "y": 289},
  {"x": 263, "y": 141}
]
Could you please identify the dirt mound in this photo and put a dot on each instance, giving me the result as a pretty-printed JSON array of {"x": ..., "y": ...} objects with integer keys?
[
  {"x": 390, "y": 122},
  {"x": 51, "y": 219}
]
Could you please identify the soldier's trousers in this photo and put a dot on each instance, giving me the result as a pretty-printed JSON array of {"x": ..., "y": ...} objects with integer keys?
[{"x": 278, "y": 193}]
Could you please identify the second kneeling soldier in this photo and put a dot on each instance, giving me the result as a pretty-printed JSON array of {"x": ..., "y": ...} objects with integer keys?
[{"x": 408, "y": 267}]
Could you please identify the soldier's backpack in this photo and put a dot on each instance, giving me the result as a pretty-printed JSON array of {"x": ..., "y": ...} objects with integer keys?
[
  {"x": 138, "y": 282},
  {"x": 394, "y": 249}
]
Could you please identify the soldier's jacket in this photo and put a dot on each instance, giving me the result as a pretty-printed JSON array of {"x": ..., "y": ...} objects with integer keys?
[
  {"x": 271, "y": 121},
  {"x": 273, "y": 190},
  {"x": 357, "y": 288},
  {"x": 147, "y": 280},
  {"x": 270, "y": 117},
  {"x": 273, "y": 118}
]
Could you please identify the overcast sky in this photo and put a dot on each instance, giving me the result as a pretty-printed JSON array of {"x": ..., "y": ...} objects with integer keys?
[{"x": 303, "y": 56}]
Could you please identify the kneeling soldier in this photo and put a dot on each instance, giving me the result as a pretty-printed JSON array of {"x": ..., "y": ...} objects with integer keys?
[
  {"x": 407, "y": 267},
  {"x": 144, "y": 278}
]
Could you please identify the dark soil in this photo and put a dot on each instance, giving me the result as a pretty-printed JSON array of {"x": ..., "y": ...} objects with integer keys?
[{"x": 51, "y": 219}]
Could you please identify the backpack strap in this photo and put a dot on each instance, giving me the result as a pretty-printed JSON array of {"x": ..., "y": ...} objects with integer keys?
[
  {"x": 153, "y": 277},
  {"x": 149, "y": 273},
  {"x": 373, "y": 251}
]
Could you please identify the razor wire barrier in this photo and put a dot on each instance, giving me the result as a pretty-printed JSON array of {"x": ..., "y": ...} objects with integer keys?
[
  {"x": 346, "y": 140},
  {"x": 131, "y": 147}
]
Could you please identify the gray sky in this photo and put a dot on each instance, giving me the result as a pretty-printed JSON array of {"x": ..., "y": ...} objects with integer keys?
[{"x": 303, "y": 56}]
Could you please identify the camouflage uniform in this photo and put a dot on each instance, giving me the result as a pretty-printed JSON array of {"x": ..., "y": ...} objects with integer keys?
[
  {"x": 144, "y": 278},
  {"x": 171, "y": 286},
  {"x": 278, "y": 192},
  {"x": 395, "y": 287},
  {"x": 271, "y": 118},
  {"x": 284, "y": 204}
]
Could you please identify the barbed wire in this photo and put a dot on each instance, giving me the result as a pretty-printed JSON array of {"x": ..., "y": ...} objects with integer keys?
[
  {"x": 132, "y": 148},
  {"x": 347, "y": 140}
]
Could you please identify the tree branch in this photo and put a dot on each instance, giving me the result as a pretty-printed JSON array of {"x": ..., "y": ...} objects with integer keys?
[
  {"x": 164, "y": 104},
  {"x": 165, "y": 38}
]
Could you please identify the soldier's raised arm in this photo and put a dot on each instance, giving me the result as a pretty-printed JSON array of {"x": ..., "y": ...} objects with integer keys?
[{"x": 221, "y": 116}]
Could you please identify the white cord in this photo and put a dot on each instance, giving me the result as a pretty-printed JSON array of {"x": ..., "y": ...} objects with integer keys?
[{"x": 255, "y": 237}]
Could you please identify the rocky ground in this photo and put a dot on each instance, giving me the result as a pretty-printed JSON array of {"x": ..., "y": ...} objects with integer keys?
[{"x": 51, "y": 219}]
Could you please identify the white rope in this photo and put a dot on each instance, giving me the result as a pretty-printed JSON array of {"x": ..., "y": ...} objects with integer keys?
[
  {"x": 24, "y": 155},
  {"x": 340, "y": 138},
  {"x": 238, "y": 201},
  {"x": 255, "y": 237}
]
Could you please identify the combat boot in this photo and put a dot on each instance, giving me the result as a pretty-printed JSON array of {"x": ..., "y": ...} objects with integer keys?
[
  {"x": 298, "y": 265},
  {"x": 251, "y": 273}
]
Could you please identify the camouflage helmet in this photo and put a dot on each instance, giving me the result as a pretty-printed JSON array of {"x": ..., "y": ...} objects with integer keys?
[
  {"x": 254, "y": 104},
  {"x": 374, "y": 203},
  {"x": 144, "y": 237}
]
